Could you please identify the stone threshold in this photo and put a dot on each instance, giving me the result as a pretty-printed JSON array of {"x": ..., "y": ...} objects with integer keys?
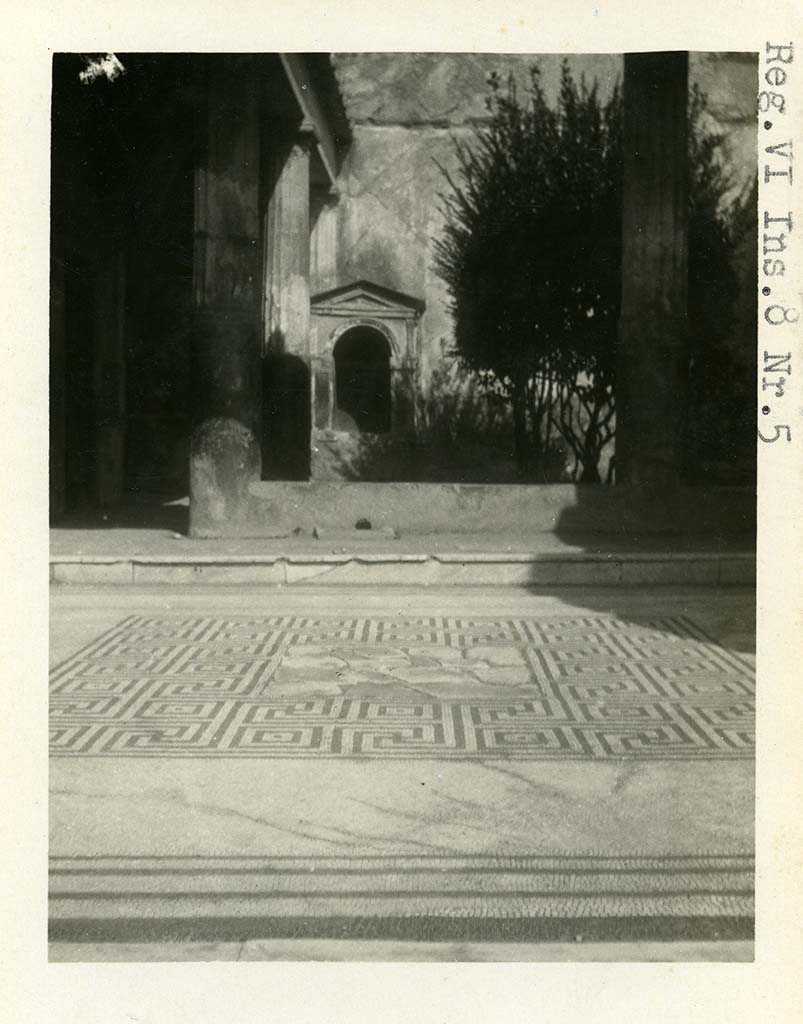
[{"x": 385, "y": 569}]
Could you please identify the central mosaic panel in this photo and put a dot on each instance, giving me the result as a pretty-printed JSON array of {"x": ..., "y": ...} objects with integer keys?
[{"x": 583, "y": 688}]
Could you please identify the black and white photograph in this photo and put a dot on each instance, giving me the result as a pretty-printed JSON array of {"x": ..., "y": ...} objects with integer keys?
[
  {"x": 403, "y": 496},
  {"x": 421, "y": 458}
]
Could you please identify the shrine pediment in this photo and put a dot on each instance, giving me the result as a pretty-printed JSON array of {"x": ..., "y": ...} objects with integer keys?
[{"x": 364, "y": 298}]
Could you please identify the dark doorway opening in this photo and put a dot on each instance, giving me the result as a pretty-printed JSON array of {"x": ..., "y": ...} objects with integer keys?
[
  {"x": 362, "y": 382},
  {"x": 123, "y": 154}
]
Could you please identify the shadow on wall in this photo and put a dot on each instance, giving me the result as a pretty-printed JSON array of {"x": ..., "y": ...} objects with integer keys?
[{"x": 286, "y": 414}]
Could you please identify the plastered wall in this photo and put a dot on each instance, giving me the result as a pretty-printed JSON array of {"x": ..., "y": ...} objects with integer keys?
[{"x": 406, "y": 110}]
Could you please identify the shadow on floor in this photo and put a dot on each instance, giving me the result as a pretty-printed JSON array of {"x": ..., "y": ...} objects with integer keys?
[
  {"x": 171, "y": 516},
  {"x": 732, "y": 623}
]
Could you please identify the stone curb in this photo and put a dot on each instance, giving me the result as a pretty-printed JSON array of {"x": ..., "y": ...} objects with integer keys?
[{"x": 387, "y": 569}]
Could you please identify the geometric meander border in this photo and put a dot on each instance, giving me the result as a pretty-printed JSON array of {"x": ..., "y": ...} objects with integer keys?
[{"x": 580, "y": 688}]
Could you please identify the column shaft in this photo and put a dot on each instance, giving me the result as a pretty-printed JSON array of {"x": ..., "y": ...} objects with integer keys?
[
  {"x": 323, "y": 243},
  {"x": 288, "y": 252},
  {"x": 287, "y": 401},
  {"x": 58, "y": 368},
  {"x": 653, "y": 351},
  {"x": 225, "y": 455},
  {"x": 109, "y": 375}
]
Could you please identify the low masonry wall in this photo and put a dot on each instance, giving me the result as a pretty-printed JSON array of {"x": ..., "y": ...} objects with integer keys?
[{"x": 277, "y": 508}]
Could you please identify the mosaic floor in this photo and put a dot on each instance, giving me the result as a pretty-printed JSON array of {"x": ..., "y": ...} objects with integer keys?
[{"x": 583, "y": 688}]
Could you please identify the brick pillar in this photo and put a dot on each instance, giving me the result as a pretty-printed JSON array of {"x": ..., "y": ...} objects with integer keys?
[
  {"x": 225, "y": 454},
  {"x": 653, "y": 350}
]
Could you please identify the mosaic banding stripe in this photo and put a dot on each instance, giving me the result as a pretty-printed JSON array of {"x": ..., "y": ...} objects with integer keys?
[{"x": 561, "y": 885}]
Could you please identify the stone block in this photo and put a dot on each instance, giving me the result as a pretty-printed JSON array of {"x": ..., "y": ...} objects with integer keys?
[
  {"x": 482, "y": 557},
  {"x": 313, "y": 572},
  {"x": 355, "y": 536},
  {"x": 585, "y": 572},
  {"x": 371, "y": 558},
  {"x": 166, "y": 572},
  {"x": 375, "y": 571},
  {"x": 91, "y": 572},
  {"x": 366, "y": 571},
  {"x": 737, "y": 570},
  {"x": 696, "y": 571},
  {"x": 524, "y": 572},
  {"x": 474, "y": 573},
  {"x": 224, "y": 459},
  {"x": 217, "y": 572}
]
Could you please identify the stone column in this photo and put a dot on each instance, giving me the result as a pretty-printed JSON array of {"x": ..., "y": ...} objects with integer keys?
[
  {"x": 109, "y": 375},
  {"x": 287, "y": 312},
  {"x": 653, "y": 349},
  {"x": 287, "y": 266},
  {"x": 58, "y": 374},
  {"x": 225, "y": 454},
  {"x": 323, "y": 242}
]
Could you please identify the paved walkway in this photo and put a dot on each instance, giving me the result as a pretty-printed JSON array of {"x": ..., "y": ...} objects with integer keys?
[
  {"x": 450, "y": 766},
  {"x": 161, "y": 542},
  {"x": 373, "y": 558}
]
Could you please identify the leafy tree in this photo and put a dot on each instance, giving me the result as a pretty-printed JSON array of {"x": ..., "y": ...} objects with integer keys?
[
  {"x": 531, "y": 256},
  {"x": 718, "y": 438}
]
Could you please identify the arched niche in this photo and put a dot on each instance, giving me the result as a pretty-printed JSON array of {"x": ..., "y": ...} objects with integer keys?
[
  {"x": 363, "y": 336},
  {"x": 361, "y": 356}
]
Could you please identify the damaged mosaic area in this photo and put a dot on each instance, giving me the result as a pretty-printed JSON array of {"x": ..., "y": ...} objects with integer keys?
[{"x": 583, "y": 688}]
